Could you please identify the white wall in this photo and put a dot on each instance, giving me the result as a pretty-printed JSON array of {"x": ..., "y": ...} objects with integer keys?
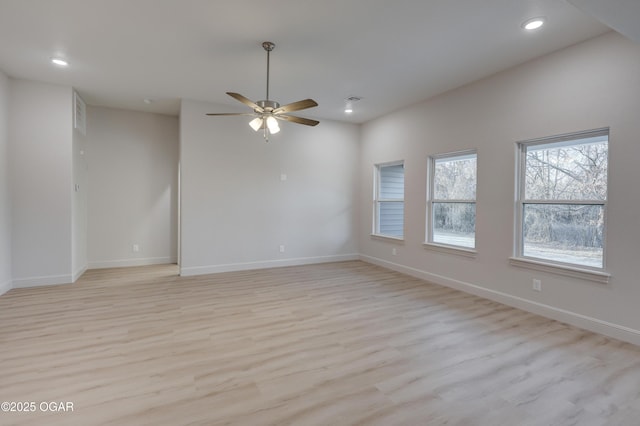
[
  {"x": 132, "y": 162},
  {"x": 590, "y": 85},
  {"x": 236, "y": 211},
  {"x": 5, "y": 196},
  {"x": 79, "y": 205},
  {"x": 40, "y": 139}
]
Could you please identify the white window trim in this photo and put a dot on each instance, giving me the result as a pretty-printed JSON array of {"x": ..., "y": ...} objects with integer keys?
[
  {"x": 387, "y": 238},
  {"x": 560, "y": 268},
  {"x": 450, "y": 249},
  {"x": 376, "y": 186},
  {"x": 564, "y": 269},
  {"x": 429, "y": 243}
]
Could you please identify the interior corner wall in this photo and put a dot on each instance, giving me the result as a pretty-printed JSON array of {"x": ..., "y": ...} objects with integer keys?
[
  {"x": 242, "y": 198},
  {"x": 40, "y": 149},
  {"x": 590, "y": 85},
  {"x": 79, "y": 258},
  {"x": 5, "y": 195},
  {"x": 132, "y": 160}
]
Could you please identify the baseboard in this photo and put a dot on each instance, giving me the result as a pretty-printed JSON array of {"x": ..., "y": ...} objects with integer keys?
[
  {"x": 42, "y": 281},
  {"x": 102, "y": 264},
  {"x": 266, "y": 264},
  {"x": 79, "y": 273},
  {"x": 606, "y": 328},
  {"x": 5, "y": 287}
]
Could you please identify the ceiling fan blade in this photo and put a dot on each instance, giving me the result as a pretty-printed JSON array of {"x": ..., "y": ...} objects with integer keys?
[
  {"x": 296, "y": 106},
  {"x": 248, "y": 102},
  {"x": 232, "y": 113},
  {"x": 299, "y": 120}
]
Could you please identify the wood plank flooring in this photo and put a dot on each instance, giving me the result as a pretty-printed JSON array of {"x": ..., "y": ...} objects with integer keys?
[{"x": 333, "y": 344}]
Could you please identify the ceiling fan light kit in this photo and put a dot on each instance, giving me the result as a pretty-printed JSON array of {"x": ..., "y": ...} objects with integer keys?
[{"x": 268, "y": 112}]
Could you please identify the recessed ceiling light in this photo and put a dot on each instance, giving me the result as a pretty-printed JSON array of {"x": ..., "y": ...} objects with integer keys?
[
  {"x": 60, "y": 62},
  {"x": 148, "y": 101},
  {"x": 348, "y": 108},
  {"x": 533, "y": 23}
]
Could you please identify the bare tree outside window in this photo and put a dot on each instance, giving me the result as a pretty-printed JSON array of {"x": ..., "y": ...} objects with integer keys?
[
  {"x": 562, "y": 199},
  {"x": 452, "y": 206}
]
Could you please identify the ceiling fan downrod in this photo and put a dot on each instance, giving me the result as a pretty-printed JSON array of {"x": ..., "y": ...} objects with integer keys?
[{"x": 268, "y": 46}]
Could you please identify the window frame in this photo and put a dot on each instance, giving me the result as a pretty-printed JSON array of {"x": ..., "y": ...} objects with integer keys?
[
  {"x": 592, "y": 273},
  {"x": 377, "y": 200},
  {"x": 431, "y": 174}
]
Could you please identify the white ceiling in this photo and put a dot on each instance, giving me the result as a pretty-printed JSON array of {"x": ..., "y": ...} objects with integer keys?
[
  {"x": 390, "y": 53},
  {"x": 621, "y": 15}
]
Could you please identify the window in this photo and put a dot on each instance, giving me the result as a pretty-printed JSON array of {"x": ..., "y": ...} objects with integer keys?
[
  {"x": 389, "y": 200},
  {"x": 562, "y": 199},
  {"x": 452, "y": 199}
]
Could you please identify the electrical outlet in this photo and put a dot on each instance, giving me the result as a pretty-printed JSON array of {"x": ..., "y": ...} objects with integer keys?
[
  {"x": 282, "y": 249},
  {"x": 394, "y": 251},
  {"x": 537, "y": 285},
  {"x": 136, "y": 248}
]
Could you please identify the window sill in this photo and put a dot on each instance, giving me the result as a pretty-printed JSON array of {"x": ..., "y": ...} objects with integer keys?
[
  {"x": 567, "y": 271},
  {"x": 459, "y": 251},
  {"x": 387, "y": 238}
]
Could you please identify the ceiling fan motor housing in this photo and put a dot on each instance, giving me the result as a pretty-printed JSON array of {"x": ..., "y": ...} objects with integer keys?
[{"x": 267, "y": 105}]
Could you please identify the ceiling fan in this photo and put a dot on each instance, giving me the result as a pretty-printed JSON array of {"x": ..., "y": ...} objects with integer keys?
[{"x": 268, "y": 112}]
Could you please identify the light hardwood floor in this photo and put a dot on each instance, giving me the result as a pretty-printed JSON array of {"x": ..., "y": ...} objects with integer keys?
[{"x": 331, "y": 344}]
